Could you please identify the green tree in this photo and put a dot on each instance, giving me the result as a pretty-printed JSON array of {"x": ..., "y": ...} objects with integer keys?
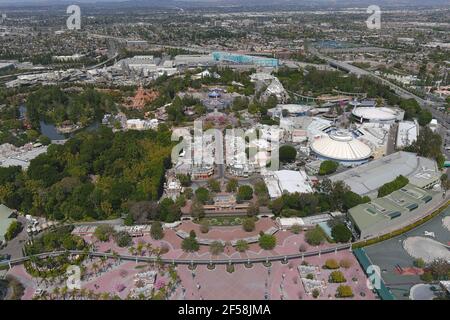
[
  {"x": 328, "y": 167},
  {"x": 242, "y": 245},
  {"x": 245, "y": 192},
  {"x": 315, "y": 236},
  {"x": 267, "y": 241},
  {"x": 156, "y": 230},
  {"x": 232, "y": 185},
  {"x": 248, "y": 224},
  {"x": 185, "y": 179},
  {"x": 216, "y": 247},
  {"x": 190, "y": 244},
  {"x": 213, "y": 185},
  {"x": 202, "y": 195},
  {"x": 103, "y": 232},
  {"x": 287, "y": 153},
  {"x": 424, "y": 117},
  {"x": 123, "y": 239},
  {"x": 341, "y": 233}
]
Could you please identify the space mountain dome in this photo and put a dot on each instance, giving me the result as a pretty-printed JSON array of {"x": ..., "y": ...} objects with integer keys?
[{"x": 342, "y": 147}]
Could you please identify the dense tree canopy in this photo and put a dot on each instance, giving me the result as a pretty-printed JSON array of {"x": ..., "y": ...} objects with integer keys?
[
  {"x": 95, "y": 175},
  {"x": 428, "y": 144},
  {"x": 55, "y": 106}
]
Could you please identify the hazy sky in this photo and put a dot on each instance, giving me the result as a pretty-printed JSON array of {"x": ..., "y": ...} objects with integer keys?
[{"x": 390, "y": 2}]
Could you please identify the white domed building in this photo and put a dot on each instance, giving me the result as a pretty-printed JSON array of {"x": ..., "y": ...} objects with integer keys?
[
  {"x": 380, "y": 115},
  {"x": 342, "y": 147}
]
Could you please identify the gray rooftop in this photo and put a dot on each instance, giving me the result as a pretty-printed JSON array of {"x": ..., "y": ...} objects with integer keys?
[{"x": 367, "y": 178}]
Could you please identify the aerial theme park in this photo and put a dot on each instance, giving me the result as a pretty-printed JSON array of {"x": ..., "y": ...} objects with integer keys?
[{"x": 203, "y": 151}]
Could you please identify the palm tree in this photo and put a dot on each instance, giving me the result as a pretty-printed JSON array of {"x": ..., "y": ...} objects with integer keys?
[
  {"x": 102, "y": 262},
  {"x": 139, "y": 248},
  {"x": 55, "y": 293},
  {"x": 64, "y": 292},
  {"x": 83, "y": 293},
  {"x": 90, "y": 294},
  {"x": 73, "y": 293},
  {"x": 149, "y": 248},
  {"x": 116, "y": 256},
  {"x": 95, "y": 268}
]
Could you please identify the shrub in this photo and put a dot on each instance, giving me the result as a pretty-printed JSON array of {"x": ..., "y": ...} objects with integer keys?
[
  {"x": 190, "y": 244},
  {"x": 419, "y": 263},
  {"x": 337, "y": 277},
  {"x": 242, "y": 245},
  {"x": 341, "y": 233},
  {"x": 345, "y": 263},
  {"x": 328, "y": 167},
  {"x": 213, "y": 185},
  {"x": 185, "y": 179},
  {"x": 164, "y": 248},
  {"x": 156, "y": 230},
  {"x": 204, "y": 226},
  {"x": 123, "y": 239},
  {"x": 427, "y": 276},
  {"x": 296, "y": 228},
  {"x": 310, "y": 276},
  {"x": 267, "y": 241},
  {"x": 216, "y": 247},
  {"x": 232, "y": 185},
  {"x": 103, "y": 232},
  {"x": 390, "y": 187},
  {"x": 302, "y": 248},
  {"x": 331, "y": 264},
  {"x": 344, "y": 292},
  {"x": 248, "y": 224},
  {"x": 315, "y": 293},
  {"x": 230, "y": 268},
  {"x": 245, "y": 193},
  {"x": 315, "y": 236}
]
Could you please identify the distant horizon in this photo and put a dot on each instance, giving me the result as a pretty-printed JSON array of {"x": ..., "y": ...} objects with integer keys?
[{"x": 224, "y": 3}]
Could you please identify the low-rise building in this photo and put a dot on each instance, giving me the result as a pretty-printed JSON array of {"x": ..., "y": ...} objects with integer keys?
[
  {"x": 391, "y": 212},
  {"x": 279, "y": 182}
]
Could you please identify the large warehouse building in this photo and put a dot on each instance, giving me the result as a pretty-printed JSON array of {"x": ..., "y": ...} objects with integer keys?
[
  {"x": 381, "y": 115},
  {"x": 342, "y": 147},
  {"x": 391, "y": 212},
  {"x": 367, "y": 178}
]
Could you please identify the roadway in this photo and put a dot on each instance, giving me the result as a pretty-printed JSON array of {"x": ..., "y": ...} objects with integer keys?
[{"x": 431, "y": 106}]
